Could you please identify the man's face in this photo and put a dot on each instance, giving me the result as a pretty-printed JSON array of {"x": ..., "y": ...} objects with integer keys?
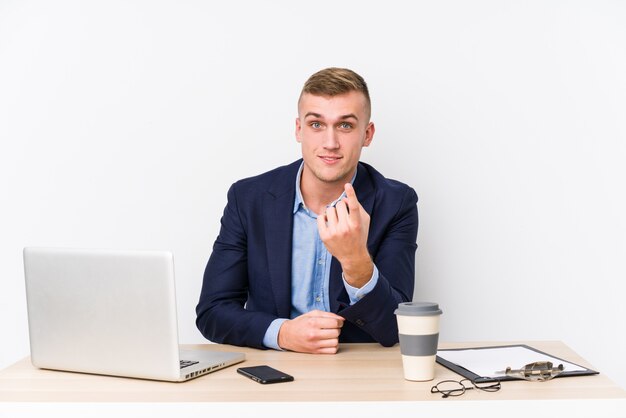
[{"x": 332, "y": 131}]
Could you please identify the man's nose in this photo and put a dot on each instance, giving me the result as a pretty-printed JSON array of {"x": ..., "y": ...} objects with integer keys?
[{"x": 330, "y": 139}]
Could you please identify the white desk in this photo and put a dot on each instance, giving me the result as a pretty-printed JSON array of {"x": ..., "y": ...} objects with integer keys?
[{"x": 361, "y": 377}]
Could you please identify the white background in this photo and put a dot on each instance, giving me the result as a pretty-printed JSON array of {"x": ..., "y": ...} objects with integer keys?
[{"x": 123, "y": 123}]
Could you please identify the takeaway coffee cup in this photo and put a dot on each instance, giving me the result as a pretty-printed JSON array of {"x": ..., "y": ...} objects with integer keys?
[{"x": 418, "y": 328}]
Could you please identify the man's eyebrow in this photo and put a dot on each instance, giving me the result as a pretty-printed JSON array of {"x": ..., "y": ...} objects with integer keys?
[{"x": 342, "y": 117}]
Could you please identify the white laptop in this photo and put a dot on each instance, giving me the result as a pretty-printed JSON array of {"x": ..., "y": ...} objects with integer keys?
[{"x": 111, "y": 313}]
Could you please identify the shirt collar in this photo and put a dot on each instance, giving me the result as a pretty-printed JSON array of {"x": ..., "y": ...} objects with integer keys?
[{"x": 300, "y": 201}]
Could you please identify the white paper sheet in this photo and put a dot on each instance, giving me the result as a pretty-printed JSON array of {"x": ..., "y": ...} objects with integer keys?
[{"x": 493, "y": 361}]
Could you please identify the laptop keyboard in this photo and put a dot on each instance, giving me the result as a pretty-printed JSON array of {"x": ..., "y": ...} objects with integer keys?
[{"x": 187, "y": 363}]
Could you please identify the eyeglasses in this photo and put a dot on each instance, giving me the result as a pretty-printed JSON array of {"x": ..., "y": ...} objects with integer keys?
[
  {"x": 458, "y": 387},
  {"x": 539, "y": 371}
]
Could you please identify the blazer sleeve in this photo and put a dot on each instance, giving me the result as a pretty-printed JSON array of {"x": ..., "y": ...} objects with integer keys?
[
  {"x": 221, "y": 314},
  {"x": 395, "y": 259}
]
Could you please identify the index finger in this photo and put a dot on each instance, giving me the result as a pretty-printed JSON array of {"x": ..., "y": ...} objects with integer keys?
[
  {"x": 351, "y": 199},
  {"x": 350, "y": 190},
  {"x": 329, "y": 323}
]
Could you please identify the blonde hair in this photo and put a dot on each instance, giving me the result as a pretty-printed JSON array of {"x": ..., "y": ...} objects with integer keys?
[{"x": 334, "y": 81}]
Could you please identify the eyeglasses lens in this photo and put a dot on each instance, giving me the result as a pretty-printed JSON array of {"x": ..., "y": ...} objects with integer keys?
[
  {"x": 487, "y": 385},
  {"x": 449, "y": 388}
]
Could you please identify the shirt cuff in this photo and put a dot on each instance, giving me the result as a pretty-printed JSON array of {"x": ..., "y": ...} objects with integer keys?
[
  {"x": 270, "y": 340},
  {"x": 356, "y": 294}
]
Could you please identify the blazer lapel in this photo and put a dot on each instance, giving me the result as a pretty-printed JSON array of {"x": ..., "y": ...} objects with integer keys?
[
  {"x": 364, "y": 189},
  {"x": 278, "y": 222}
]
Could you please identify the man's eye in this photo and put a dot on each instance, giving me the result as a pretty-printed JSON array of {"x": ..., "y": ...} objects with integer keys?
[
  {"x": 345, "y": 125},
  {"x": 316, "y": 125}
]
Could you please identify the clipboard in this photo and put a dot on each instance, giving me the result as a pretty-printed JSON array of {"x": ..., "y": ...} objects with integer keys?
[{"x": 473, "y": 355}]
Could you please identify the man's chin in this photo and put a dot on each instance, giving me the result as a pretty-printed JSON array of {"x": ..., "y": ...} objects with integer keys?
[
  {"x": 332, "y": 178},
  {"x": 331, "y": 175}
]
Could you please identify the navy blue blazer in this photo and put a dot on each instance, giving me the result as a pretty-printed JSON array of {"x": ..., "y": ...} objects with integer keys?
[{"x": 247, "y": 281}]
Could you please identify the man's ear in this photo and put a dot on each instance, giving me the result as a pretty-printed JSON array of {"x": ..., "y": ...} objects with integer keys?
[
  {"x": 298, "y": 129},
  {"x": 369, "y": 134}
]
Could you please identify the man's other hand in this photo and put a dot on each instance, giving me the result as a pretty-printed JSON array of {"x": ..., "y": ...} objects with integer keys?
[{"x": 315, "y": 332}]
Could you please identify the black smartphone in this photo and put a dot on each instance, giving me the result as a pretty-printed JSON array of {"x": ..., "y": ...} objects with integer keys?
[{"x": 265, "y": 374}]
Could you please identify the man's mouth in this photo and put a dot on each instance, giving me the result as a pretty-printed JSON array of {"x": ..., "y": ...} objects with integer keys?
[{"x": 329, "y": 159}]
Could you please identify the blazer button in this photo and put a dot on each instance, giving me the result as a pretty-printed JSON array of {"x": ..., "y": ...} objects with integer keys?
[{"x": 359, "y": 322}]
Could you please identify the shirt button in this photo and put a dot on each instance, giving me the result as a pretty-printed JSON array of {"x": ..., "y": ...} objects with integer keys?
[
  {"x": 320, "y": 261},
  {"x": 360, "y": 322},
  {"x": 317, "y": 299}
]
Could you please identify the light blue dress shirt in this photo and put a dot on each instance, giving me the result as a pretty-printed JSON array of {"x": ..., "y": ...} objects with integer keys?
[{"x": 310, "y": 268}]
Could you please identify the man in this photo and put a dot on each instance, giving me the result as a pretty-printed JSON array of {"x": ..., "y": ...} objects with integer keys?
[{"x": 320, "y": 251}]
